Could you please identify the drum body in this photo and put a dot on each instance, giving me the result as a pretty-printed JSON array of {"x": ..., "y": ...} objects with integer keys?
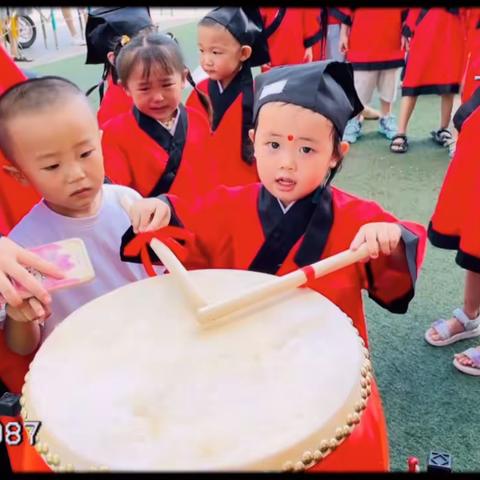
[{"x": 132, "y": 382}]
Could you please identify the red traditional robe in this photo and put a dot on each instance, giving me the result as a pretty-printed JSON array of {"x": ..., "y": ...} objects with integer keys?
[
  {"x": 260, "y": 237},
  {"x": 15, "y": 201},
  {"x": 435, "y": 59},
  {"x": 142, "y": 154},
  {"x": 114, "y": 102},
  {"x": 375, "y": 37},
  {"x": 232, "y": 118},
  {"x": 472, "y": 54},
  {"x": 455, "y": 223},
  {"x": 289, "y": 32}
]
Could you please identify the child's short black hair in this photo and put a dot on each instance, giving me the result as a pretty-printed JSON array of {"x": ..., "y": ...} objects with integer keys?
[{"x": 32, "y": 95}]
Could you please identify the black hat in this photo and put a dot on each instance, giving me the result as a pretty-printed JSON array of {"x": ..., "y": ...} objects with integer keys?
[
  {"x": 106, "y": 25},
  {"x": 325, "y": 87},
  {"x": 246, "y": 25}
]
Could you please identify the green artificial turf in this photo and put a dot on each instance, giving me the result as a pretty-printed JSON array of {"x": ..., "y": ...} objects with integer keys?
[{"x": 428, "y": 404}]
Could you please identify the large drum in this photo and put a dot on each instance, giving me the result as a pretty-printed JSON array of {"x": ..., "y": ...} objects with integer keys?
[{"x": 132, "y": 382}]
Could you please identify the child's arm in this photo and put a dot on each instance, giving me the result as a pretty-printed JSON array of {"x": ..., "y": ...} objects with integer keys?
[
  {"x": 117, "y": 166},
  {"x": 22, "y": 326},
  {"x": 397, "y": 250},
  {"x": 343, "y": 41}
]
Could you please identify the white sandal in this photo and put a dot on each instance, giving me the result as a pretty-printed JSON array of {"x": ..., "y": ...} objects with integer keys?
[
  {"x": 472, "y": 329},
  {"x": 474, "y": 355}
]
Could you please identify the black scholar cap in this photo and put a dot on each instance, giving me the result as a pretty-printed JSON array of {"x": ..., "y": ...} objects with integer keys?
[
  {"x": 106, "y": 25},
  {"x": 325, "y": 87}
]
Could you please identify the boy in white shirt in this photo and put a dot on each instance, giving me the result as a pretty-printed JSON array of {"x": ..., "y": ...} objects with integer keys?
[{"x": 50, "y": 134}]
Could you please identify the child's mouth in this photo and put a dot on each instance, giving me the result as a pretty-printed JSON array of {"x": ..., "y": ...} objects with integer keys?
[{"x": 285, "y": 183}]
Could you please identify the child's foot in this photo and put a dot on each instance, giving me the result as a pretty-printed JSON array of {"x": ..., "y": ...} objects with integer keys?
[
  {"x": 442, "y": 136},
  {"x": 388, "y": 126},
  {"x": 468, "y": 361},
  {"x": 458, "y": 327},
  {"x": 352, "y": 131},
  {"x": 399, "y": 143}
]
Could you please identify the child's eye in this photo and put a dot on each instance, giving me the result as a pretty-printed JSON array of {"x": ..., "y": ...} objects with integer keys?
[
  {"x": 86, "y": 154},
  {"x": 51, "y": 167},
  {"x": 168, "y": 85},
  {"x": 306, "y": 149},
  {"x": 216, "y": 52},
  {"x": 274, "y": 145}
]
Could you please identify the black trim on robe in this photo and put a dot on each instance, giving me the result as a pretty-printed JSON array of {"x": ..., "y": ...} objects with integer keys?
[
  {"x": 335, "y": 12},
  {"x": 129, "y": 235},
  {"x": 273, "y": 27},
  {"x": 467, "y": 261},
  {"x": 174, "y": 145},
  {"x": 398, "y": 305},
  {"x": 406, "y": 32},
  {"x": 430, "y": 90},
  {"x": 421, "y": 16},
  {"x": 466, "y": 109},
  {"x": 478, "y": 25},
  {"x": 314, "y": 39},
  {"x": 383, "y": 65},
  {"x": 281, "y": 230},
  {"x": 310, "y": 217},
  {"x": 441, "y": 240},
  {"x": 404, "y": 15},
  {"x": 242, "y": 83}
]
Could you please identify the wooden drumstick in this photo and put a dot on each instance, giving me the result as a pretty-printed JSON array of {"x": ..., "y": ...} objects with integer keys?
[
  {"x": 173, "y": 264},
  {"x": 281, "y": 284}
]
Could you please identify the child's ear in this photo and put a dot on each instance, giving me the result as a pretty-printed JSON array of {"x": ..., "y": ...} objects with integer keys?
[
  {"x": 15, "y": 173},
  {"x": 344, "y": 147},
  {"x": 245, "y": 52},
  {"x": 251, "y": 135},
  {"x": 184, "y": 77},
  {"x": 111, "y": 58}
]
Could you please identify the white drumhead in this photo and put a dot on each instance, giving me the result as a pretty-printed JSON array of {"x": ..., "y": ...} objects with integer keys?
[{"x": 131, "y": 381}]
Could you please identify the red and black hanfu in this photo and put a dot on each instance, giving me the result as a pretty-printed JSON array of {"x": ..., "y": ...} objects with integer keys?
[{"x": 435, "y": 58}]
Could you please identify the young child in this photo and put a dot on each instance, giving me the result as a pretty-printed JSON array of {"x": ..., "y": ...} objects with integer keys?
[
  {"x": 64, "y": 164},
  {"x": 159, "y": 146},
  {"x": 231, "y": 42},
  {"x": 294, "y": 217},
  {"x": 435, "y": 45},
  {"x": 455, "y": 225},
  {"x": 291, "y": 34},
  {"x": 372, "y": 41},
  {"x": 104, "y": 31}
]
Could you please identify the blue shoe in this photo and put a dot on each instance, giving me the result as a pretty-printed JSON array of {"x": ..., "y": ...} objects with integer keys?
[
  {"x": 353, "y": 130},
  {"x": 388, "y": 126}
]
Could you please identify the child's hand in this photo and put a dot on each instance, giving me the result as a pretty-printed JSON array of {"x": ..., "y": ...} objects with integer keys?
[
  {"x": 29, "y": 310},
  {"x": 380, "y": 237},
  {"x": 405, "y": 43},
  {"x": 308, "y": 56},
  {"x": 149, "y": 214}
]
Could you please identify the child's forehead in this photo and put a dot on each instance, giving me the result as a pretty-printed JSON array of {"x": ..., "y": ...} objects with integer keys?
[
  {"x": 278, "y": 111},
  {"x": 215, "y": 32}
]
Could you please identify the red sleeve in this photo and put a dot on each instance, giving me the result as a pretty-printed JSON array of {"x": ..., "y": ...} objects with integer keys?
[
  {"x": 208, "y": 220},
  {"x": 409, "y": 25},
  {"x": 117, "y": 166},
  {"x": 388, "y": 286},
  {"x": 311, "y": 26}
]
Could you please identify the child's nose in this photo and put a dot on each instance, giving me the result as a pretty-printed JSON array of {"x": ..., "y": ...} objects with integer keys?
[{"x": 288, "y": 161}]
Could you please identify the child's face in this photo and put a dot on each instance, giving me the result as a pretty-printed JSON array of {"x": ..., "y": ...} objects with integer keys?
[
  {"x": 58, "y": 151},
  {"x": 157, "y": 95},
  {"x": 293, "y": 149},
  {"x": 221, "y": 55}
]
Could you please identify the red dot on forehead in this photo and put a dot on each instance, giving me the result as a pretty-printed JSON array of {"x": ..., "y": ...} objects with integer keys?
[{"x": 290, "y": 138}]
